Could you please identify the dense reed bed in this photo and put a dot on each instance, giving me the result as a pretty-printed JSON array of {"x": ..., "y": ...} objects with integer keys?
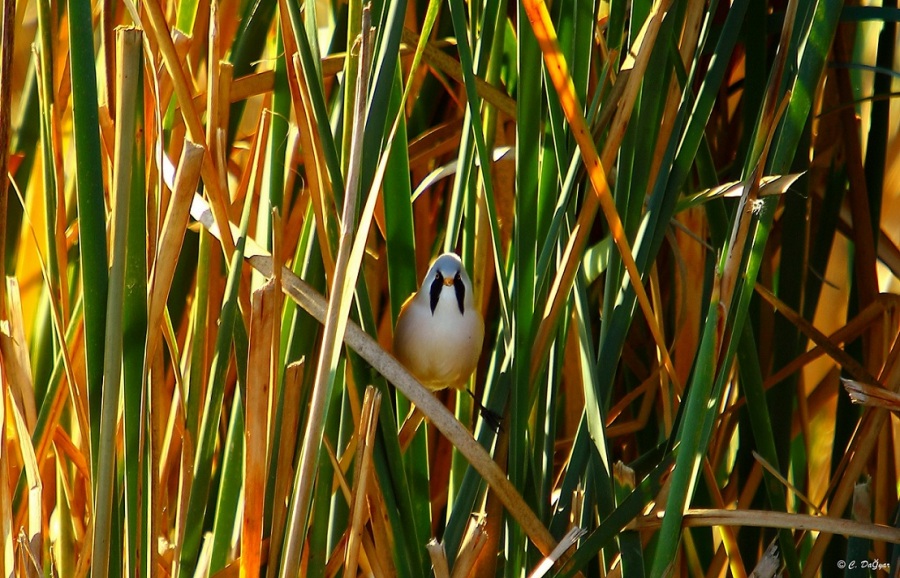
[{"x": 681, "y": 220}]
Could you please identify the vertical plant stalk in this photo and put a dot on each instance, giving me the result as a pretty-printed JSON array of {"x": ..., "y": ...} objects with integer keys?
[
  {"x": 197, "y": 501},
  {"x": 128, "y": 46},
  {"x": 263, "y": 316},
  {"x": 866, "y": 276},
  {"x": 319, "y": 184},
  {"x": 691, "y": 447},
  {"x": 52, "y": 163},
  {"x": 438, "y": 559},
  {"x": 336, "y": 323},
  {"x": 351, "y": 73},
  {"x": 91, "y": 210},
  {"x": 7, "y": 41},
  {"x": 283, "y": 466},
  {"x": 187, "y": 175},
  {"x": 159, "y": 32},
  {"x": 135, "y": 451},
  {"x": 6, "y": 558},
  {"x": 368, "y": 424}
]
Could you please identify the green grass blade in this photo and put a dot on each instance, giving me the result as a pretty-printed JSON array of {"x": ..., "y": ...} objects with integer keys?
[
  {"x": 312, "y": 72},
  {"x": 128, "y": 47},
  {"x": 91, "y": 211},
  {"x": 528, "y": 166},
  {"x": 134, "y": 337},
  {"x": 212, "y": 407},
  {"x": 690, "y": 448},
  {"x": 468, "y": 65},
  {"x": 247, "y": 49},
  {"x": 763, "y": 434},
  {"x": 227, "y": 507}
]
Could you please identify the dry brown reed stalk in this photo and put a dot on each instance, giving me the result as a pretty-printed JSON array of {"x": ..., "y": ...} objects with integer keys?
[
  {"x": 471, "y": 548},
  {"x": 293, "y": 381},
  {"x": 263, "y": 323},
  {"x": 787, "y": 484},
  {"x": 438, "y": 558},
  {"x": 847, "y": 362},
  {"x": 703, "y": 517},
  {"x": 871, "y": 396},
  {"x": 363, "y": 472},
  {"x": 187, "y": 176},
  {"x": 159, "y": 32}
]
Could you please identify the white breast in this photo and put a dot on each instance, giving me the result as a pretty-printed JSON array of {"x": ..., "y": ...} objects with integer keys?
[{"x": 440, "y": 349}]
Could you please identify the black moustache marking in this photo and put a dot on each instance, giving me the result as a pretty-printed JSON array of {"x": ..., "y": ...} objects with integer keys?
[
  {"x": 460, "y": 293},
  {"x": 435, "y": 292}
]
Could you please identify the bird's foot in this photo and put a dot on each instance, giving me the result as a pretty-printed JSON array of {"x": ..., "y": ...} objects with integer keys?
[{"x": 490, "y": 417}]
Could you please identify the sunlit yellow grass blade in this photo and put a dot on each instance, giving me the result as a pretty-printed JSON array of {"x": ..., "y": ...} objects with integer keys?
[
  {"x": 187, "y": 175},
  {"x": 34, "y": 529},
  {"x": 13, "y": 350},
  {"x": 6, "y": 509},
  {"x": 17, "y": 387}
]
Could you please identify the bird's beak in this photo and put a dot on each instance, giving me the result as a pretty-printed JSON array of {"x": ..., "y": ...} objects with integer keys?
[{"x": 448, "y": 281}]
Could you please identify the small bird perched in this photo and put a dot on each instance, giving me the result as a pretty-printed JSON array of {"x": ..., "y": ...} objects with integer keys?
[{"x": 439, "y": 332}]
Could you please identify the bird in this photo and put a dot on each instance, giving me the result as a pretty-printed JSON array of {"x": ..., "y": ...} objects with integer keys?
[{"x": 440, "y": 333}]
